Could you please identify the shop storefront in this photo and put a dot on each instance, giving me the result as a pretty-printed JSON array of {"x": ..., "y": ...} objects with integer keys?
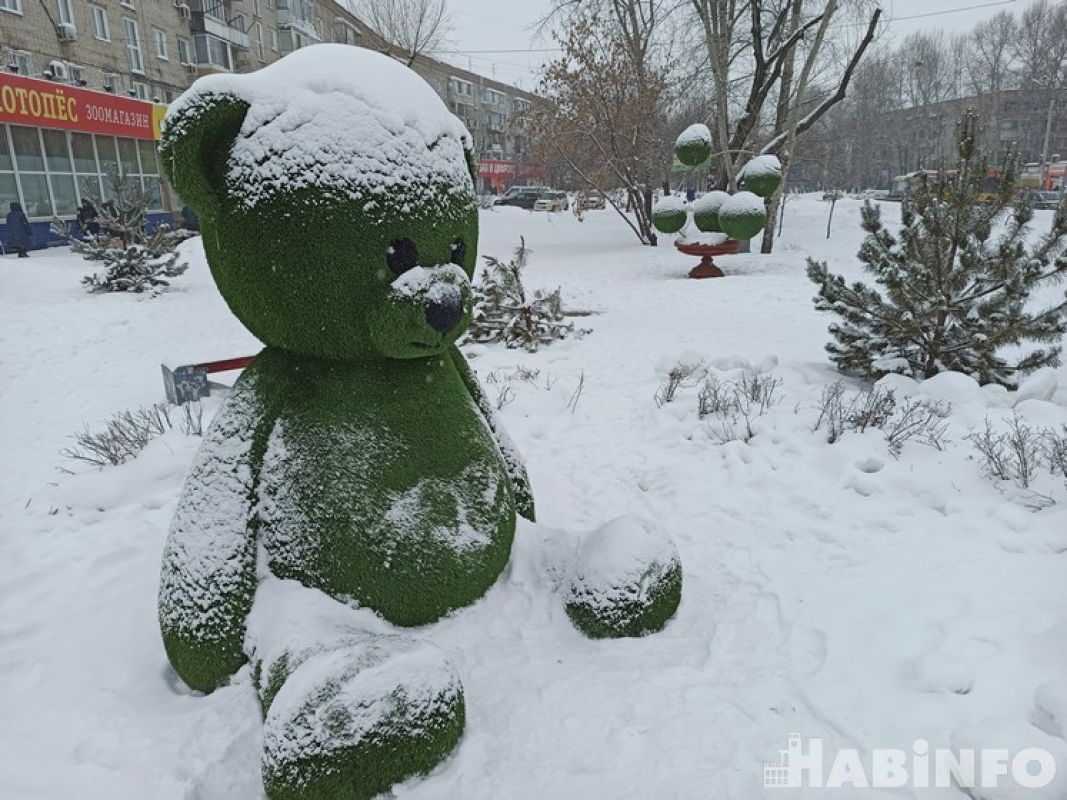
[
  {"x": 497, "y": 175},
  {"x": 59, "y": 143}
]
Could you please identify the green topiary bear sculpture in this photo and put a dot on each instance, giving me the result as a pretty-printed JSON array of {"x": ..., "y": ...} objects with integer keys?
[{"x": 355, "y": 462}]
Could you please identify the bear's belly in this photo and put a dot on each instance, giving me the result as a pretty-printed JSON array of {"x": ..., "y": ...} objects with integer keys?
[{"x": 409, "y": 515}]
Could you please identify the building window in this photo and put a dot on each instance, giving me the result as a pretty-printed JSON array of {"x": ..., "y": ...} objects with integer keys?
[
  {"x": 66, "y": 12},
  {"x": 22, "y": 62},
  {"x": 76, "y": 75},
  {"x": 274, "y": 40},
  {"x": 133, "y": 45},
  {"x": 112, "y": 82},
  {"x": 255, "y": 8},
  {"x": 139, "y": 90},
  {"x": 160, "y": 39},
  {"x": 261, "y": 52},
  {"x": 101, "y": 30},
  {"x": 457, "y": 86},
  {"x": 212, "y": 50},
  {"x": 127, "y": 3},
  {"x": 185, "y": 51},
  {"x": 14, "y": 6}
]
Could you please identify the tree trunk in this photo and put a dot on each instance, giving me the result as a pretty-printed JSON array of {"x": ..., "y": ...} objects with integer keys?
[{"x": 781, "y": 120}]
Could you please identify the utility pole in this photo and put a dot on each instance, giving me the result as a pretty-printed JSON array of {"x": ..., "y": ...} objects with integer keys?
[{"x": 1048, "y": 130}]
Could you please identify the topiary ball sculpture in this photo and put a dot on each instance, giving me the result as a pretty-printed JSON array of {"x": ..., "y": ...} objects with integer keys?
[
  {"x": 626, "y": 581},
  {"x": 669, "y": 215},
  {"x": 693, "y": 146},
  {"x": 742, "y": 216},
  {"x": 356, "y": 461},
  {"x": 706, "y": 211},
  {"x": 762, "y": 175}
]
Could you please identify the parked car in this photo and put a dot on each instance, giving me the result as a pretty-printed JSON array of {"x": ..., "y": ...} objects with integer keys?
[
  {"x": 1048, "y": 201},
  {"x": 593, "y": 200},
  {"x": 521, "y": 196},
  {"x": 552, "y": 201}
]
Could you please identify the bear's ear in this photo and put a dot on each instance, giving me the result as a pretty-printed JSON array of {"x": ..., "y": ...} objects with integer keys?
[{"x": 195, "y": 146}]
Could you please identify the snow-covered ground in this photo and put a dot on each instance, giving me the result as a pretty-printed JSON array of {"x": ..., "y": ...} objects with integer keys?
[{"x": 831, "y": 590}]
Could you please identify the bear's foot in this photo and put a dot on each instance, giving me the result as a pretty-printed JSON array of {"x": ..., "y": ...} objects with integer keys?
[
  {"x": 626, "y": 581},
  {"x": 348, "y": 713}
]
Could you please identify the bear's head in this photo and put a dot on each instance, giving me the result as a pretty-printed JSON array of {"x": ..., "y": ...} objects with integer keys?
[{"x": 336, "y": 201}]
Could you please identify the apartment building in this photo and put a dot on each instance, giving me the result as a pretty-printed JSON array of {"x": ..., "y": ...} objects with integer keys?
[{"x": 84, "y": 84}]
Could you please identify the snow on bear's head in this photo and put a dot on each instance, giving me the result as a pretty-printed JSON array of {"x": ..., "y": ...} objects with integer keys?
[{"x": 321, "y": 182}]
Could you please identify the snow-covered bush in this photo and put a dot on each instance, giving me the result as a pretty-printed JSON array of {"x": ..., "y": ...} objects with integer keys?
[
  {"x": 951, "y": 296},
  {"x": 505, "y": 312},
  {"x": 132, "y": 258}
]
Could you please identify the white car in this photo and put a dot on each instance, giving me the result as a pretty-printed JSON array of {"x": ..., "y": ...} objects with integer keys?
[{"x": 552, "y": 201}]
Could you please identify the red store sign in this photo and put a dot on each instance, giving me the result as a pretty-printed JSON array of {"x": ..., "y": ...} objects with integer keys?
[
  {"x": 43, "y": 104},
  {"x": 504, "y": 170}
]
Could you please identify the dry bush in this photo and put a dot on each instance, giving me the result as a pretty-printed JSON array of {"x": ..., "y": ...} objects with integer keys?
[{"x": 127, "y": 433}]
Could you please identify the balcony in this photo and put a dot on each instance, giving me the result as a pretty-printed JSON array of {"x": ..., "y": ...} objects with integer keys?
[
  {"x": 297, "y": 15},
  {"x": 211, "y": 17}
]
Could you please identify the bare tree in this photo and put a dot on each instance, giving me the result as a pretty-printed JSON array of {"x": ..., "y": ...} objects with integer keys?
[
  {"x": 989, "y": 62},
  {"x": 413, "y": 27},
  {"x": 604, "y": 104}
]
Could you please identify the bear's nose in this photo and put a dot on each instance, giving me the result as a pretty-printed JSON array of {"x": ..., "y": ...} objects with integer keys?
[{"x": 444, "y": 309}]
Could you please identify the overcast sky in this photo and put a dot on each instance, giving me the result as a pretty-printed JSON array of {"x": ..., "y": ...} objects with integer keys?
[{"x": 509, "y": 25}]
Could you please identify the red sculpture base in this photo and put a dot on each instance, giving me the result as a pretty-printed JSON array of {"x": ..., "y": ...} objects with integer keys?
[{"x": 707, "y": 267}]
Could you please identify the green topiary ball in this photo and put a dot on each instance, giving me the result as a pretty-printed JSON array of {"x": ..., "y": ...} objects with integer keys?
[
  {"x": 762, "y": 175},
  {"x": 627, "y": 581},
  {"x": 693, "y": 146},
  {"x": 742, "y": 216},
  {"x": 706, "y": 211},
  {"x": 669, "y": 215}
]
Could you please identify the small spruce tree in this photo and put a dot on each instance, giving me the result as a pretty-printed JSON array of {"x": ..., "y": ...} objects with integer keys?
[
  {"x": 954, "y": 282},
  {"x": 133, "y": 259},
  {"x": 505, "y": 312}
]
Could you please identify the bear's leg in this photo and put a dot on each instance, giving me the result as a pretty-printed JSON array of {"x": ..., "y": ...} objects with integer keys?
[{"x": 348, "y": 712}]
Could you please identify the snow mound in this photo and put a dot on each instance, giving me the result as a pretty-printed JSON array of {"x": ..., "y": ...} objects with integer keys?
[
  {"x": 941, "y": 673},
  {"x": 626, "y": 580},
  {"x": 900, "y": 385},
  {"x": 340, "y": 118},
  {"x": 1018, "y": 739},
  {"x": 952, "y": 387},
  {"x": 1050, "y": 708},
  {"x": 1041, "y": 385}
]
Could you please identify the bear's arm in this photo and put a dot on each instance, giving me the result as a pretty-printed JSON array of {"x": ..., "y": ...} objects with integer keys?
[
  {"x": 208, "y": 577},
  {"x": 520, "y": 481}
]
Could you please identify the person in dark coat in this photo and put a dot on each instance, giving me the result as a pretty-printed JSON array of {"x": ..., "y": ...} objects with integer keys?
[
  {"x": 17, "y": 234},
  {"x": 189, "y": 219},
  {"x": 87, "y": 218}
]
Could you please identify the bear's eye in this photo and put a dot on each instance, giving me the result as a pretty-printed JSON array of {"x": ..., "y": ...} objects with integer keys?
[
  {"x": 459, "y": 252},
  {"x": 401, "y": 255}
]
